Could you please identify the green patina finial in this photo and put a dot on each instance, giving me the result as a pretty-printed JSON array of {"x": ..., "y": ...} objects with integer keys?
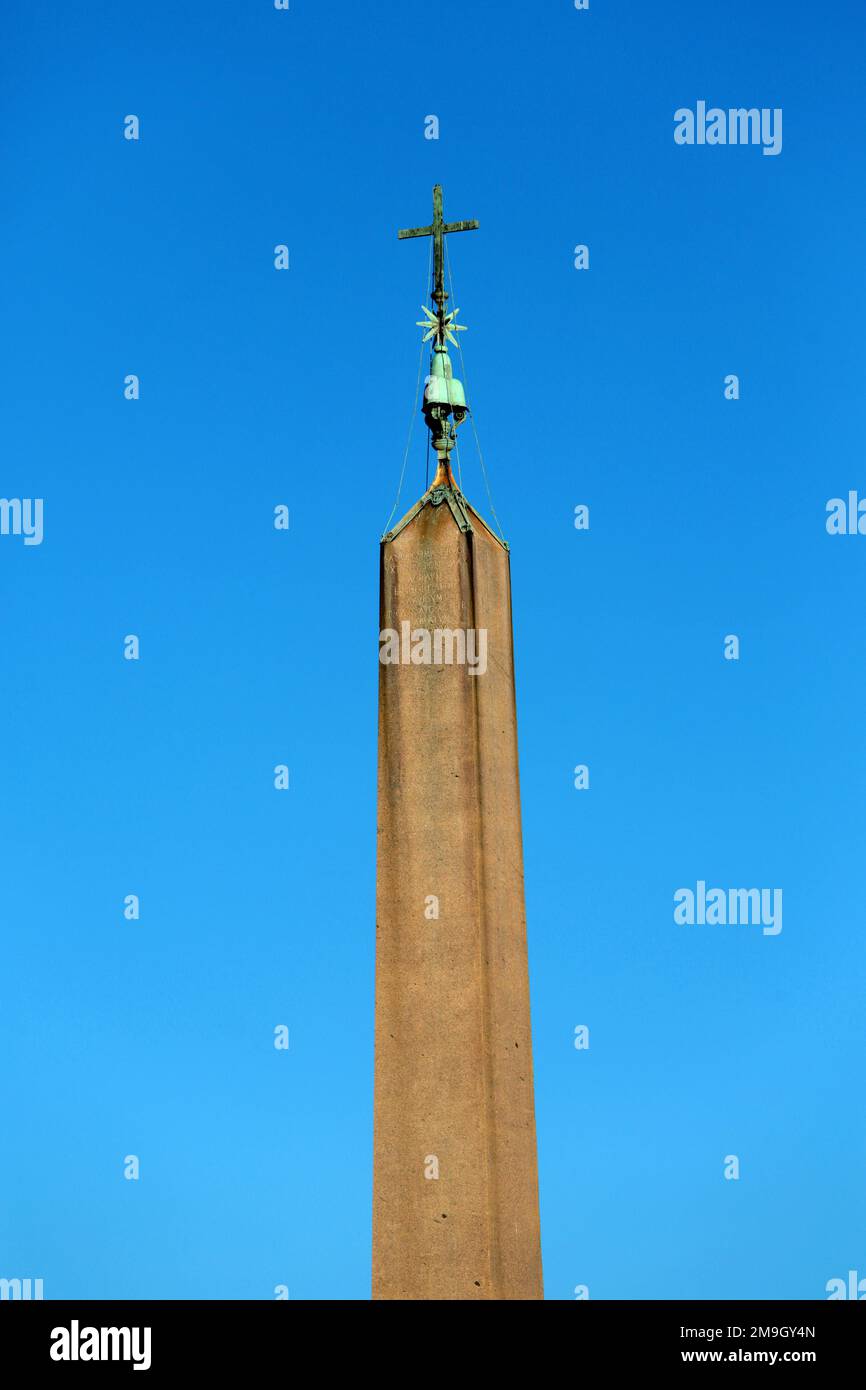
[{"x": 444, "y": 398}]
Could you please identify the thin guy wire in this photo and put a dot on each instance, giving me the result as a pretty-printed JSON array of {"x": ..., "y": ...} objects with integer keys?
[
  {"x": 471, "y": 413},
  {"x": 414, "y": 411}
]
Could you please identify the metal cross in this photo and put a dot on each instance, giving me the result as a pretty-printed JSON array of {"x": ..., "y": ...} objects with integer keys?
[{"x": 437, "y": 231}]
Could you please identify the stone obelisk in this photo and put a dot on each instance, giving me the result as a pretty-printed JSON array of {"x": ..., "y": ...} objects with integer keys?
[{"x": 455, "y": 1199}]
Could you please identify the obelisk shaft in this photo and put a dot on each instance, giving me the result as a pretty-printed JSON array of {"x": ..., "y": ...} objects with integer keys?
[{"x": 455, "y": 1181}]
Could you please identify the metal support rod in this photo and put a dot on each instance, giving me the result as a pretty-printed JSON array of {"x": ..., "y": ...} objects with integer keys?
[{"x": 439, "y": 295}]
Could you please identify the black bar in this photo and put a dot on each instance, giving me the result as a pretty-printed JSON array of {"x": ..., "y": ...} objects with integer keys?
[{"x": 222, "y": 1337}]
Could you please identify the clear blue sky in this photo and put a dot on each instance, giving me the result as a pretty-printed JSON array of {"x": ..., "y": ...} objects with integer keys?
[{"x": 257, "y": 647}]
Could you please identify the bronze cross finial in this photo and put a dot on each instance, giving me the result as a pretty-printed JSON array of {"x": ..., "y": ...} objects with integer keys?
[{"x": 437, "y": 231}]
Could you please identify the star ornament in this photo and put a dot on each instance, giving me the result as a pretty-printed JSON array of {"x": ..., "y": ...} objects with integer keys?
[{"x": 449, "y": 326}]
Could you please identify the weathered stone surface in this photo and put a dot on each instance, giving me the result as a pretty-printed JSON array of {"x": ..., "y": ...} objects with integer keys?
[{"x": 453, "y": 1048}]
